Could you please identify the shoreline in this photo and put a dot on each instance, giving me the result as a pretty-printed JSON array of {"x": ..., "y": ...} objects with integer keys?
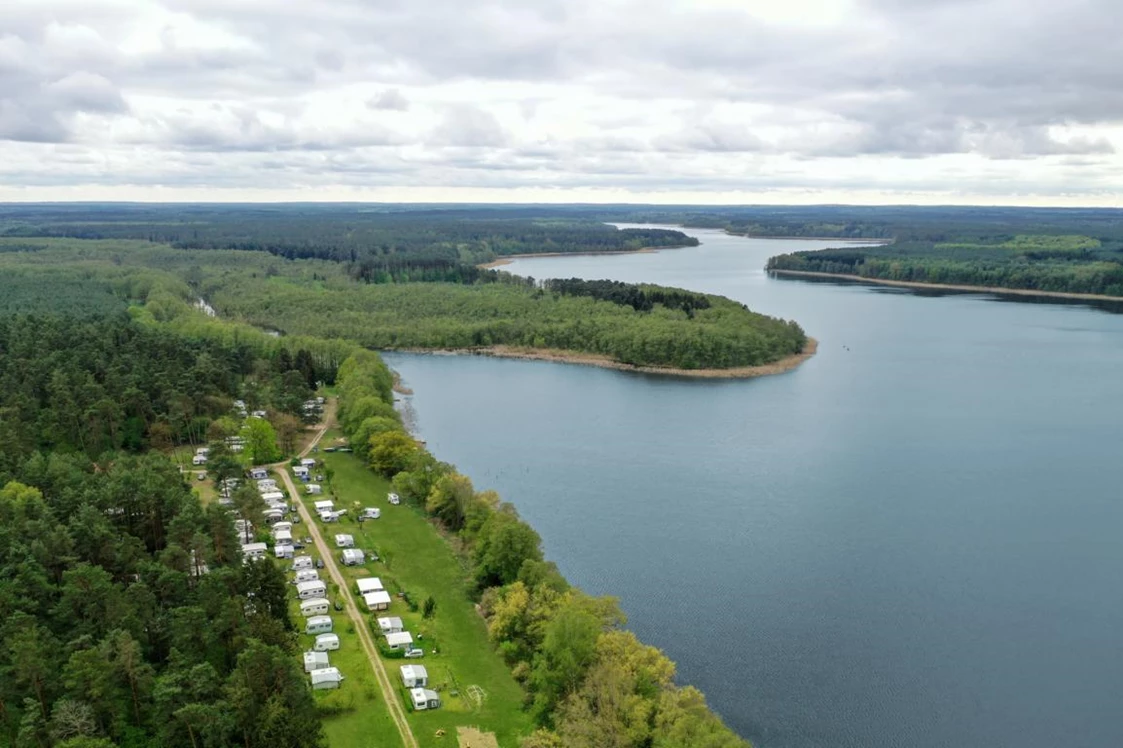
[
  {"x": 880, "y": 242},
  {"x": 997, "y": 290},
  {"x": 782, "y": 366},
  {"x": 508, "y": 259}
]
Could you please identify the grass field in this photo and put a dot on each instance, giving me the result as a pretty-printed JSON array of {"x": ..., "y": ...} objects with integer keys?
[{"x": 416, "y": 559}]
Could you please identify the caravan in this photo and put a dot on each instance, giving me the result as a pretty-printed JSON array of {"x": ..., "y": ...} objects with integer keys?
[
  {"x": 318, "y": 625},
  {"x": 309, "y": 590},
  {"x": 317, "y": 606},
  {"x": 307, "y": 575}
]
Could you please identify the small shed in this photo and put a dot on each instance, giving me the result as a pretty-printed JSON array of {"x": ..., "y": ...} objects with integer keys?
[
  {"x": 309, "y": 590},
  {"x": 344, "y": 541},
  {"x": 283, "y": 550},
  {"x": 316, "y": 660},
  {"x": 400, "y": 640},
  {"x": 423, "y": 699},
  {"x": 318, "y": 625},
  {"x": 302, "y": 562},
  {"x": 390, "y": 625},
  {"x": 379, "y": 600},
  {"x": 314, "y": 489},
  {"x": 369, "y": 584},
  {"x": 324, "y": 506},
  {"x": 413, "y": 676},
  {"x": 353, "y": 557},
  {"x": 326, "y": 642},
  {"x": 328, "y": 677}
]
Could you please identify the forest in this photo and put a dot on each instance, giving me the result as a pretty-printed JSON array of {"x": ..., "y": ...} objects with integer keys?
[
  {"x": 589, "y": 682},
  {"x": 130, "y": 619},
  {"x": 1055, "y": 263},
  {"x": 370, "y": 241},
  {"x": 318, "y": 299}
]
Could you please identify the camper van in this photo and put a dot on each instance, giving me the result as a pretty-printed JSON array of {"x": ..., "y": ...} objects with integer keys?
[
  {"x": 199, "y": 460},
  {"x": 302, "y": 562},
  {"x": 300, "y": 472},
  {"x": 318, "y": 625},
  {"x": 353, "y": 557},
  {"x": 326, "y": 642},
  {"x": 309, "y": 590},
  {"x": 277, "y": 526},
  {"x": 314, "y": 489},
  {"x": 258, "y": 473},
  {"x": 317, "y": 606},
  {"x": 306, "y": 575},
  {"x": 344, "y": 540},
  {"x": 323, "y": 506},
  {"x": 283, "y": 550},
  {"x": 371, "y": 512}
]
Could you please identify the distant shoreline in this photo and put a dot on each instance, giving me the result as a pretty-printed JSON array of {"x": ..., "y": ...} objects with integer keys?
[
  {"x": 873, "y": 240},
  {"x": 785, "y": 364},
  {"x": 1001, "y": 290},
  {"x": 508, "y": 259}
]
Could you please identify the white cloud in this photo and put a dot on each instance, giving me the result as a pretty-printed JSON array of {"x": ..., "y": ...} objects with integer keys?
[{"x": 703, "y": 100}]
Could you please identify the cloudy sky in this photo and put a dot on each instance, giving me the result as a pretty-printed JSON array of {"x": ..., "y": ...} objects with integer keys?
[{"x": 719, "y": 101}]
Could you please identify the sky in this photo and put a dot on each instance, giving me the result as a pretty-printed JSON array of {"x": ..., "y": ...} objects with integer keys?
[{"x": 1010, "y": 102}]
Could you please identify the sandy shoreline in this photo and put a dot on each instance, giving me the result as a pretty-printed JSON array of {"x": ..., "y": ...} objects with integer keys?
[
  {"x": 951, "y": 286},
  {"x": 592, "y": 359}
]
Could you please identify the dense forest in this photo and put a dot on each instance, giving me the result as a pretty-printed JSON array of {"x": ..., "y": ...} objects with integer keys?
[
  {"x": 130, "y": 619},
  {"x": 317, "y": 299},
  {"x": 589, "y": 683},
  {"x": 108, "y": 383},
  {"x": 375, "y": 244},
  {"x": 1038, "y": 262}
]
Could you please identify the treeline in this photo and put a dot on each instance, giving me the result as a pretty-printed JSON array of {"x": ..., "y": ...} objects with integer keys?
[
  {"x": 639, "y": 298},
  {"x": 356, "y": 235},
  {"x": 1050, "y": 263},
  {"x": 589, "y": 683},
  {"x": 109, "y": 383}
]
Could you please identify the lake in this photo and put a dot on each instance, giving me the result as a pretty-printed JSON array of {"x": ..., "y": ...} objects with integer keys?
[{"x": 912, "y": 540}]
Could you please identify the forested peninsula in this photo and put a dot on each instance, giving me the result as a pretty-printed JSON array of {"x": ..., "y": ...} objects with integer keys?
[{"x": 404, "y": 280}]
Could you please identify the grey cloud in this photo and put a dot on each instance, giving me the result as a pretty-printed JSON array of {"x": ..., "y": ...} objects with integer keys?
[
  {"x": 392, "y": 99},
  {"x": 469, "y": 126}
]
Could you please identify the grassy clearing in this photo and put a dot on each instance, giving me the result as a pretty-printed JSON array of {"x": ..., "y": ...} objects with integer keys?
[
  {"x": 417, "y": 560},
  {"x": 354, "y": 715}
]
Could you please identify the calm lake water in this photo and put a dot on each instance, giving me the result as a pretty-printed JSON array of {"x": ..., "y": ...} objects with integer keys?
[{"x": 915, "y": 539}]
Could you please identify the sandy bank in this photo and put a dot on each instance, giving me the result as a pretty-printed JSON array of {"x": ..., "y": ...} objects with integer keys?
[
  {"x": 951, "y": 286},
  {"x": 592, "y": 359}
]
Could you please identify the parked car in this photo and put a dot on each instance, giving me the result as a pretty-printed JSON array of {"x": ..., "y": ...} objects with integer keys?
[
  {"x": 296, "y": 519},
  {"x": 319, "y": 564},
  {"x": 297, "y": 546}
]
